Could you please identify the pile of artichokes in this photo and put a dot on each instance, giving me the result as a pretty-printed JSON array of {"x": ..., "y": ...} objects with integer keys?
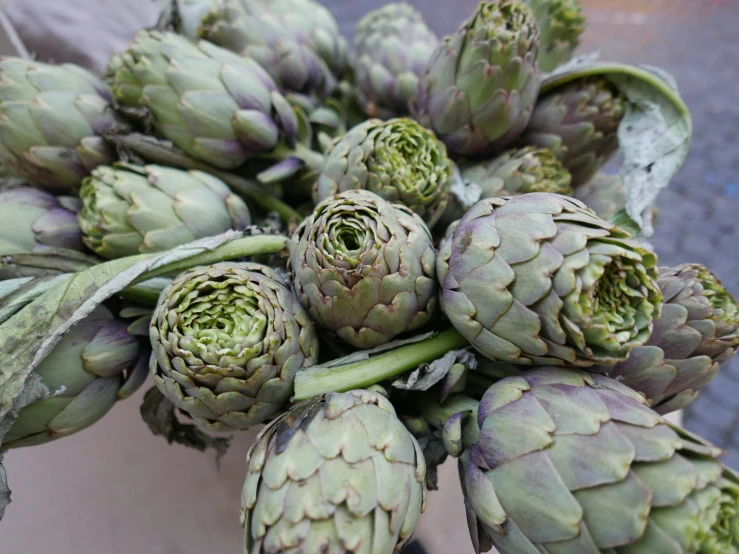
[{"x": 387, "y": 253}]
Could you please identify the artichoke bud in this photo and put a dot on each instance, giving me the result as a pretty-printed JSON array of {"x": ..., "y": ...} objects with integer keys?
[
  {"x": 561, "y": 24},
  {"x": 608, "y": 474},
  {"x": 539, "y": 279},
  {"x": 131, "y": 209},
  {"x": 579, "y": 122},
  {"x": 349, "y": 458},
  {"x": 228, "y": 340},
  {"x": 399, "y": 160},
  {"x": 363, "y": 268},
  {"x": 480, "y": 84},
  {"x": 96, "y": 364}
]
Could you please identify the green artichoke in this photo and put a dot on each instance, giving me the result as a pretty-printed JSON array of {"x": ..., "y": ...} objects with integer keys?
[
  {"x": 364, "y": 268},
  {"x": 228, "y": 340},
  {"x": 339, "y": 474},
  {"x": 573, "y": 463},
  {"x": 399, "y": 160},
  {"x": 392, "y": 46},
  {"x": 216, "y": 106},
  {"x": 561, "y": 24},
  {"x": 96, "y": 364},
  {"x": 697, "y": 331},
  {"x": 132, "y": 209},
  {"x": 32, "y": 220},
  {"x": 579, "y": 122},
  {"x": 52, "y": 119},
  {"x": 480, "y": 85},
  {"x": 284, "y": 36},
  {"x": 539, "y": 279}
]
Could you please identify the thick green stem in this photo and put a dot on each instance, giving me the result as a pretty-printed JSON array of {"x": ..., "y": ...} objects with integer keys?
[
  {"x": 390, "y": 364},
  {"x": 146, "y": 294}
]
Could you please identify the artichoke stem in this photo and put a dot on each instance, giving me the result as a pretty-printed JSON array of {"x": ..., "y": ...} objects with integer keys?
[{"x": 390, "y": 364}]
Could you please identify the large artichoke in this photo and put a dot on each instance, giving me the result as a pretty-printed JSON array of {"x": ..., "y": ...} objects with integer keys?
[
  {"x": 479, "y": 88},
  {"x": 539, "y": 279},
  {"x": 697, "y": 331},
  {"x": 52, "y": 118},
  {"x": 213, "y": 104},
  {"x": 399, "y": 160},
  {"x": 228, "y": 340},
  {"x": 286, "y": 37},
  {"x": 573, "y": 463},
  {"x": 579, "y": 122},
  {"x": 131, "y": 209},
  {"x": 32, "y": 220},
  {"x": 339, "y": 474},
  {"x": 364, "y": 268},
  {"x": 561, "y": 23},
  {"x": 96, "y": 364},
  {"x": 392, "y": 46}
]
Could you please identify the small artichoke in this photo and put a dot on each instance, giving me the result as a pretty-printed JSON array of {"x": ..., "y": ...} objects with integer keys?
[
  {"x": 579, "y": 122},
  {"x": 561, "y": 24},
  {"x": 399, "y": 160},
  {"x": 52, "y": 118},
  {"x": 215, "y": 105},
  {"x": 339, "y": 474},
  {"x": 576, "y": 463},
  {"x": 228, "y": 340},
  {"x": 32, "y": 220},
  {"x": 96, "y": 364},
  {"x": 539, "y": 279},
  {"x": 392, "y": 46},
  {"x": 697, "y": 331},
  {"x": 283, "y": 36},
  {"x": 133, "y": 209},
  {"x": 480, "y": 85},
  {"x": 364, "y": 268}
]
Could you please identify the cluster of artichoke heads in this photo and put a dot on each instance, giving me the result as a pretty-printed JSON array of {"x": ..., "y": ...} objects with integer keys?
[{"x": 385, "y": 253}]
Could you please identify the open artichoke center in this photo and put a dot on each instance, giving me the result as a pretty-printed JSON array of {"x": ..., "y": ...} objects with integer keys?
[
  {"x": 616, "y": 298},
  {"x": 721, "y": 532},
  {"x": 719, "y": 298}
]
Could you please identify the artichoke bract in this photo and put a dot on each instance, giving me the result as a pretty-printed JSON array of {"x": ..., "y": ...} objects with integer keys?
[
  {"x": 284, "y": 37},
  {"x": 336, "y": 474},
  {"x": 392, "y": 46},
  {"x": 364, "y": 268},
  {"x": 399, "y": 160},
  {"x": 132, "y": 209},
  {"x": 215, "y": 105},
  {"x": 577, "y": 463},
  {"x": 539, "y": 279},
  {"x": 33, "y": 220},
  {"x": 561, "y": 24},
  {"x": 228, "y": 340},
  {"x": 96, "y": 364},
  {"x": 52, "y": 119},
  {"x": 579, "y": 122},
  {"x": 697, "y": 332},
  {"x": 480, "y": 85}
]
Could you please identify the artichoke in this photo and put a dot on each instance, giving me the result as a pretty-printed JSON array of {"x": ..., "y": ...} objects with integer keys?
[
  {"x": 561, "y": 24},
  {"x": 96, "y": 364},
  {"x": 339, "y": 474},
  {"x": 392, "y": 46},
  {"x": 228, "y": 340},
  {"x": 480, "y": 85},
  {"x": 697, "y": 331},
  {"x": 216, "y": 106},
  {"x": 539, "y": 279},
  {"x": 284, "y": 36},
  {"x": 577, "y": 463},
  {"x": 364, "y": 268},
  {"x": 32, "y": 220},
  {"x": 604, "y": 194},
  {"x": 399, "y": 160},
  {"x": 52, "y": 119},
  {"x": 579, "y": 122},
  {"x": 131, "y": 209}
]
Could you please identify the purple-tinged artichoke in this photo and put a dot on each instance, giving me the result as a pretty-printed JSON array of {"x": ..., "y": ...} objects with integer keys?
[
  {"x": 561, "y": 24},
  {"x": 479, "y": 88}
]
